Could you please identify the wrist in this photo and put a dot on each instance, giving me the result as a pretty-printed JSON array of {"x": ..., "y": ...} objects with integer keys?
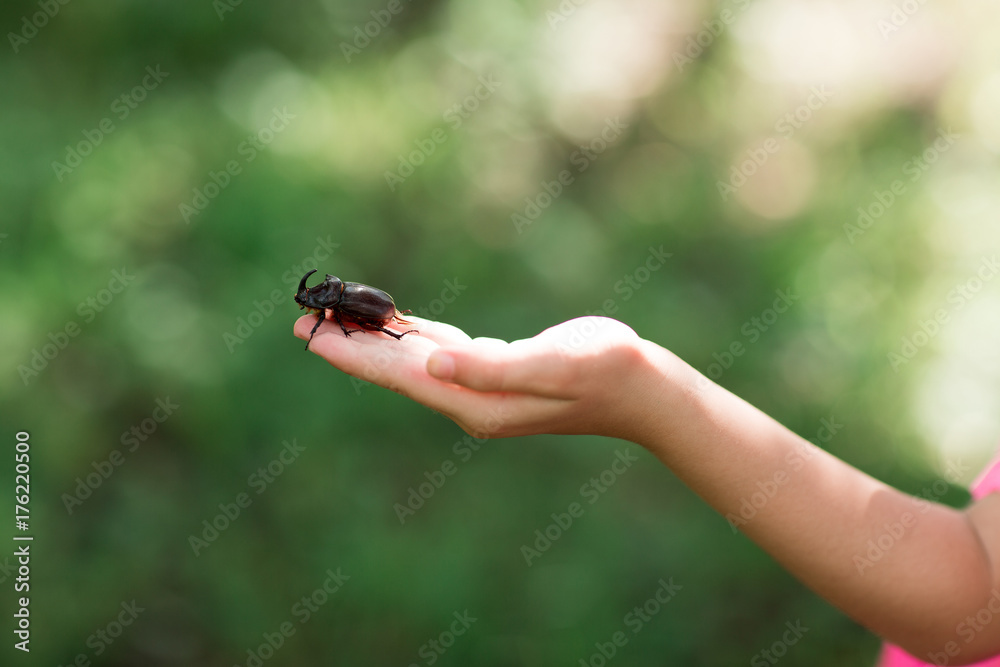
[{"x": 666, "y": 395}]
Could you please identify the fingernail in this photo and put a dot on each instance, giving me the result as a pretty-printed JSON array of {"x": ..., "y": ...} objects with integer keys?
[{"x": 441, "y": 366}]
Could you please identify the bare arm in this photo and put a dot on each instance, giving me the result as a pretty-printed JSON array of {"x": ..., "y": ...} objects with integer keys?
[
  {"x": 931, "y": 568},
  {"x": 816, "y": 514}
]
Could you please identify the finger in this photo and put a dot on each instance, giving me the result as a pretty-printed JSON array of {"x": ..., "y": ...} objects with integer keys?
[
  {"x": 370, "y": 356},
  {"x": 525, "y": 366},
  {"x": 346, "y": 352},
  {"x": 303, "y": 327},
  {"x": 441, "y": 333},
  {"x": 398, "y": 365},
  {"x": 485, "y": 340},
  {"x": 492, "y": 415},
  {"x": 401, "y": 367}
]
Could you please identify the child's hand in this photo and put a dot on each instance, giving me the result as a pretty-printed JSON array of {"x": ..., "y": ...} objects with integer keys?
[{"x": 582, "y": 376}]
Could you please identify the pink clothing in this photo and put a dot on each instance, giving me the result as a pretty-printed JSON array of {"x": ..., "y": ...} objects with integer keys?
[{"x": 893, "y": 656}]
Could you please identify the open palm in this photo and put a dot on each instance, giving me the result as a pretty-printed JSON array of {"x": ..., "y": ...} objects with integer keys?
[{"x": 567, "y": 379}]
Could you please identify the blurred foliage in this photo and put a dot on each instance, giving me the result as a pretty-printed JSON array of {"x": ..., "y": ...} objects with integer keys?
[{"x": 698, "y": 88}]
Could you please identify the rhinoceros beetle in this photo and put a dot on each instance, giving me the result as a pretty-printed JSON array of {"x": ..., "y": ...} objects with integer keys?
[{"x": 367, "y": 307}]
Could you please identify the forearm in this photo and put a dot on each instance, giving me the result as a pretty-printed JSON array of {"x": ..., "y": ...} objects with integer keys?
[{"x": 817, "y": 515}]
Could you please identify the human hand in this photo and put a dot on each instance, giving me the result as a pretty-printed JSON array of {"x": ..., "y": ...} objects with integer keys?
[{"x": 586, "y": 375}]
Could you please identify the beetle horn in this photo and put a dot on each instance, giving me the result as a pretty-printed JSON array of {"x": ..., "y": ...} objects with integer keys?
[{"x": 302, "y": 283}]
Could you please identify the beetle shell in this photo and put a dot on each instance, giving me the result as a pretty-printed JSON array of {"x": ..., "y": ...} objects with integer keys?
[{"x": 366, "y": 302}]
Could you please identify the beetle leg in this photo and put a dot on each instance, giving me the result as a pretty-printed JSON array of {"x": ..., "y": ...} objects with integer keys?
[
  {"x": 319, "y": 321},
  {"x": 336, "y": 316},
  {"x": 395, "y": 335}
]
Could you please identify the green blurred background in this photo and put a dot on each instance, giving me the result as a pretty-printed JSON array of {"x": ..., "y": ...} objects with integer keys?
[{"x": 823, "y": 106}]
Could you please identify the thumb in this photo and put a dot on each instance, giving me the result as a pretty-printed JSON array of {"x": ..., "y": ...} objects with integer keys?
[{"x": 526, "y": 368}]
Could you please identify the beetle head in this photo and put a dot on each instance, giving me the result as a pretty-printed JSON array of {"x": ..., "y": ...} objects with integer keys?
[{"x": 324, "y": 295}]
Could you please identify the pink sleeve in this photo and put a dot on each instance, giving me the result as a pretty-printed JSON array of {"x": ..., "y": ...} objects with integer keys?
[
  {"x": 988, "y": 481},
  {"x": 893, "y": 656}
]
